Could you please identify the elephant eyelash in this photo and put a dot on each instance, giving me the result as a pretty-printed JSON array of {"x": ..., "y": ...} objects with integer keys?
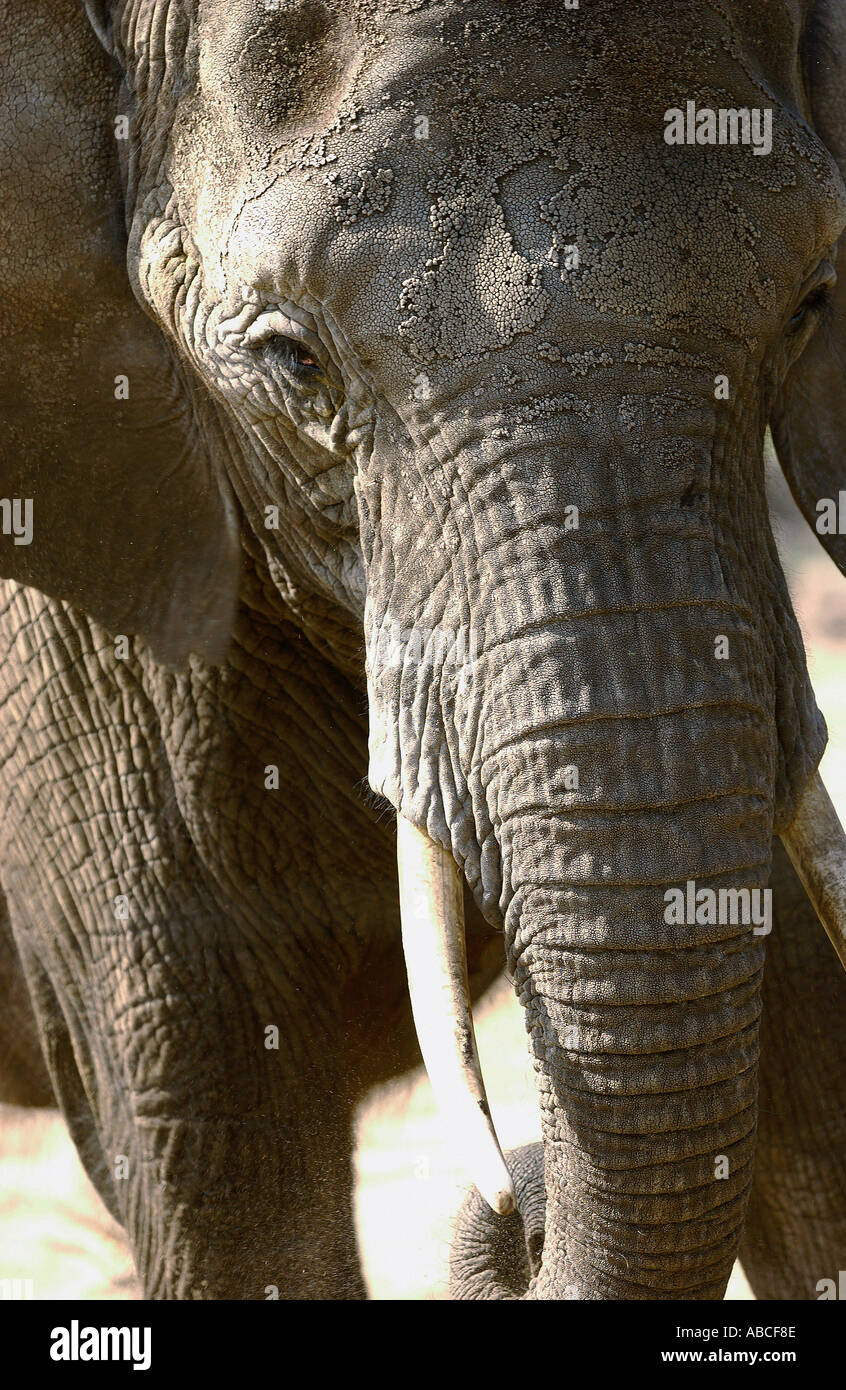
[
  {"x": 819, "y": 301},
  {"x": 293, "y": 355}
]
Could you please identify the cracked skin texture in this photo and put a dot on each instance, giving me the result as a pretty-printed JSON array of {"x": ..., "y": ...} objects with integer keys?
[{"x": 383, "y": 340}]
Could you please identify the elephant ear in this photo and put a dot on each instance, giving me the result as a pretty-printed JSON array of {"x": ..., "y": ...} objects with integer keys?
[
  {"x": 98, "y": 450},
  {"x": 809, "y": 421}
]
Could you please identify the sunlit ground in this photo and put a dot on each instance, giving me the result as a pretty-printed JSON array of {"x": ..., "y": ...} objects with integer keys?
[{"x": 55, "y": 1231}]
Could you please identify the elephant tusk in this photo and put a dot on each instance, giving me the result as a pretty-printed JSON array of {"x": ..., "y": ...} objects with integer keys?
[
  {"x": 816, "y": 843},
  {"x": 432, "y": 913}
]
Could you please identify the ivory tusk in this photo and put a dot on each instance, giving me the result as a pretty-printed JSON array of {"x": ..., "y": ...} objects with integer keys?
[
  {"x": 432, "y": 912},
  {"x": 816, "y": 843}
]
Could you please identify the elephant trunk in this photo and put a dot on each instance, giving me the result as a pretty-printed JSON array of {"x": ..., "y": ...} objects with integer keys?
[
  {"x": 630, "y": 864},
  {"x": 662, "y": 1131},
  {"x": 645, "y": 1043},
  {"x": 633, "y": 864},
  {"x": 580, "y": 703}
]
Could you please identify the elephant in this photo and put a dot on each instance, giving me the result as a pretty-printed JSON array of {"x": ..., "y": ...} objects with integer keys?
[{"x": 388, "y": 586}]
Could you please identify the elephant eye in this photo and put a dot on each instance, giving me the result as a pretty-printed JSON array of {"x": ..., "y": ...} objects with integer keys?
[
  {"x": 291, "y": 354},
  {"x": 818, "y": 299}
]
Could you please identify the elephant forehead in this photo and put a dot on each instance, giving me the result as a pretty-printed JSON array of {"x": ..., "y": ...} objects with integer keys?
[
  {"x": 453, "y": 252},
  {"x": 690, "y": 239},
  {"x": 271, "y": 66},
  {"x": 379, "y": 151}
]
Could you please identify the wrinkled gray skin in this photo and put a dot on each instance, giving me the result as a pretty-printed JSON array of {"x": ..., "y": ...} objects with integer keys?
[{"x": 383, "y": 337}]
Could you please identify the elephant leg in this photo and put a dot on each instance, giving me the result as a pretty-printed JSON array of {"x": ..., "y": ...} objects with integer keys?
[
  {"x": 23, "y": 1074},
  {"x": 230, "y": 1164},
  {"x": 318, "y": 1249},
  {"x": 795, "y": 1233}
]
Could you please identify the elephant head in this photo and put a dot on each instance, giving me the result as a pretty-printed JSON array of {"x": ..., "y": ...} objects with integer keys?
[{"x": 479, "y": 360}]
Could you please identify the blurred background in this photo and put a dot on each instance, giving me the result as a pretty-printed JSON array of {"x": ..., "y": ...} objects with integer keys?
[{"x": 55, "y": 1231}]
